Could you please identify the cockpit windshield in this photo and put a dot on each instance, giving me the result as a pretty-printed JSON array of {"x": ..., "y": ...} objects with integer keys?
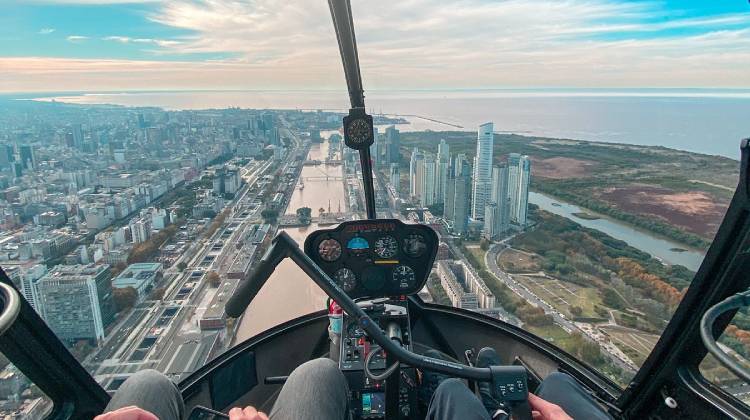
[{"x": 574, "y": 158}]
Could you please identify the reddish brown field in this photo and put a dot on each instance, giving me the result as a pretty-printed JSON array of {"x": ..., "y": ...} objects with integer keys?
[
  {"x": 697, "y": 212},
  {"x": 560, "y": 167}
]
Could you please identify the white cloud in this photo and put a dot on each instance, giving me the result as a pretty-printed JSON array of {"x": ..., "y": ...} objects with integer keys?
[
  {"x": 121, "y": 39},
  {"x": 46, "y": 31},
  {"x": 91, "y": 2},
  {"x": 158, "y": 42},
  {"x": 430, "y": 43},
  {"x": 77, "y": 38}
]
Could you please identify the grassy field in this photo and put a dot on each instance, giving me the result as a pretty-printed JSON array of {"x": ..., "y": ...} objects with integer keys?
[
  {"x": 514, "y": 261},
  {"x": 563, "y": 295},
  {"x": 554, "y": 334},
  {"x": 636, "y": 344},
  {"x": 478, "y": 252}
]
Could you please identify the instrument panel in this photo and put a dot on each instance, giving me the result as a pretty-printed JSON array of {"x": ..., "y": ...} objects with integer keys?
[{"x": 375, "y": 258}]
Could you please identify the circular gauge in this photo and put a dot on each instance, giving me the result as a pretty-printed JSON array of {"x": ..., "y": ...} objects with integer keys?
[
  {"x": 358, "y": 131},
  {"x": 403, "y": 277},
  {"x": 358, "y": 245},
  {"x": 386, "y": 247},
  {"x": 414, "y": 245},
  {"x": 346, "y": 279},
  {"x": 373, "y": 278},
  {"x": 329, "y": 250}
]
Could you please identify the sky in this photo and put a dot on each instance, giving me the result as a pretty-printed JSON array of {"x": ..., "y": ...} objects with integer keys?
[{"x": 115, "y": 45}]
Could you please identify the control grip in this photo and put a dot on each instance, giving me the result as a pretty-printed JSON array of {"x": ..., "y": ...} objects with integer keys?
[{"x": 249, "y": 288}]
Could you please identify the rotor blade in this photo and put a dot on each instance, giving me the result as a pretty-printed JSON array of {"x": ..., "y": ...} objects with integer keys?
[{"x": 341, "y": 12}]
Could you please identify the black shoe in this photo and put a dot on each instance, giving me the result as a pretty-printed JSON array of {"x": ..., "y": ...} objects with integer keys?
[
  {"x": 485, "y": 358},
  {"x": 430, "y": 380}
]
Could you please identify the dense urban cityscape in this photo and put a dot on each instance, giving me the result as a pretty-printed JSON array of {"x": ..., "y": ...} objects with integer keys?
[{"x": 128, "y": 228}]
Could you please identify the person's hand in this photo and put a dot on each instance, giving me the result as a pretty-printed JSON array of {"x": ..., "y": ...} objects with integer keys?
[
  {"x": 545, "y": 410},
  {"x": 248, "y": 413},
  {"x": 127, "y": 413}
]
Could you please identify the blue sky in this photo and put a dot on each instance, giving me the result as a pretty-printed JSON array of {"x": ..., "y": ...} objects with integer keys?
[{"x": 54, "y": 45}]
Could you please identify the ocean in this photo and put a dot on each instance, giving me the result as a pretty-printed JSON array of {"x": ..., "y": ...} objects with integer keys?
[{"x": 698, "y": 120}]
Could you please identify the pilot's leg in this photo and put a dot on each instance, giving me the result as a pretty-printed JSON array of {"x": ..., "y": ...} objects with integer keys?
[
  {"x": 561, "y": 389},
  {"x": 454, "y": 400},
  {"x": 151, "y": 391},
  {"x": 315, "y": 390}
]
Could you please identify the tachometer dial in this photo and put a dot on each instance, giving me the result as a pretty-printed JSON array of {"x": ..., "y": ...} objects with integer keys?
[
  {"x": 403, "y": 277},
  {"x": 346, "y": 279},
  {"x": 386, "y": 247},
  {"x": 414, "y": 245},
  {"x": 329, "y": 250}
]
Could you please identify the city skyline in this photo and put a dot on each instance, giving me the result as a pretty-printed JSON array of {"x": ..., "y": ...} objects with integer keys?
[{"x": 156, "y": 45}]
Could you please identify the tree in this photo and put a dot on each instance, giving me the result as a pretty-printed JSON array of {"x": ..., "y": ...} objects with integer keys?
[
  {"x": 125, "y": 297},
  {"x": 213, "y": 279},
  {"x": 484, "y": 244},
  {"x": 304, "y": 214},
  {"x": 181, "y": 265},
  {"x": 269, "y": 214},
  {"x": 576, "y": 311},
  {"x": 81, "y": 349},
  {"x": 157, "y": 294}
]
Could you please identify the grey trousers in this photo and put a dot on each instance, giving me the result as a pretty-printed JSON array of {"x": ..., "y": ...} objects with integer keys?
[
  {"x": 454, "y": 400},
  {"x": 317, "y": 390}
]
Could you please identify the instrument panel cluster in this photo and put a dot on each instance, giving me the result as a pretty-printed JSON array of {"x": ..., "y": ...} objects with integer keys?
[{"x": 375, "y": 258}]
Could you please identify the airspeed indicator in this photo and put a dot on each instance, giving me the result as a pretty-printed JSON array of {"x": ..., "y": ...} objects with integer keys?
[{"x": 386, "y": 247}]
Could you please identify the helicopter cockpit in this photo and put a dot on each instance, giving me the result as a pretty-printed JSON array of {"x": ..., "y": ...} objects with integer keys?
[{"x": 383, "y": 336}]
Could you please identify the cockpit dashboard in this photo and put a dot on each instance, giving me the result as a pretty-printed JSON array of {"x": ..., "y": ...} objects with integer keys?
[{"x": 375, "y": 258}]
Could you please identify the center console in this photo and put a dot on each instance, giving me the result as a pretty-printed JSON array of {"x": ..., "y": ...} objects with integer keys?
[{"x": 368, "y": 396}]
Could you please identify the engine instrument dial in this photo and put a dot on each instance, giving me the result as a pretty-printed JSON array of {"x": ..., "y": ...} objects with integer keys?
[
  {"x": 346, "y": 279},
  {"x": 414, "y": 245},
  {"x": 403, "y": 277},
  {"x": 386, "y": 247},
  {"x": 329, "y": 250}
]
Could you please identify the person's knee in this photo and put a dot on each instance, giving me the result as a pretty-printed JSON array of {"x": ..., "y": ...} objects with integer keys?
[
  {"x": 151, "y": 379},
  {"x": 320, "y": 366},
  {"x": 322, "y": 371},
  {"x": 556, "y": 381},
  {"x": 449, "y": 387}
]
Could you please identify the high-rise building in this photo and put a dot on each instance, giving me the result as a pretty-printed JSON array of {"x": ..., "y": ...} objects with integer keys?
[
  {"x": 457, "y": 196},
  {"x": 76, "y": 301},
  {"x": 377, "y": 148},
  {"x": 519, "y": 177},
  {"x": 491, "y": 216},
  {"x": 450, "y": 194},
  {"x": 266, "y": 119},
  {"x": 26, "y": 154},
  {"x": 395, "y": 177},
  {"x": 6, "y": 156},
  {"x": 500, "y": 201},
  {"x": 482, "y": 171},
  {"x": 415, "y": 162},
  {"x": 428, "y": 180},
  {"x": 77, "y": 131},
  {"x": 442, "y": 166},
  {"x": 140, "y": 230},
  {"x": 393, "y": 141}
]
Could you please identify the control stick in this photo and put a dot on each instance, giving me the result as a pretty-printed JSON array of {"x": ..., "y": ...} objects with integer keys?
[{"x": 508, "y": 382}]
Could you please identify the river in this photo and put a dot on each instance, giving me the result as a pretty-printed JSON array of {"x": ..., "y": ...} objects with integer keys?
[
  {"x": 637, "y": 238},
  {"x": 289, "y": 293}
]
